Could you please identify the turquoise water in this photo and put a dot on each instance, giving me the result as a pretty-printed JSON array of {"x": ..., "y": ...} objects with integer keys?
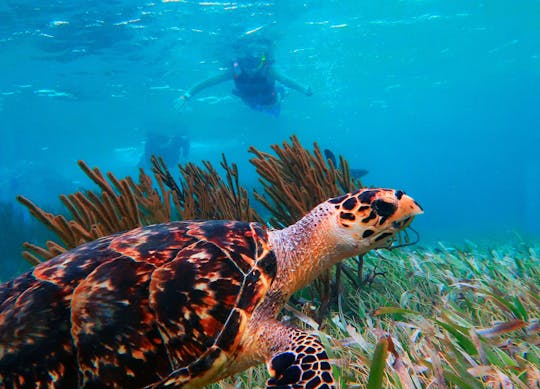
[{"x": 438, "y": 98}]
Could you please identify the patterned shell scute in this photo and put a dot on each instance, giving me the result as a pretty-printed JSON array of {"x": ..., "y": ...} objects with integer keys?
[
  {"x": 129, "y": 309},
  {"x": 204, "y": 296}
]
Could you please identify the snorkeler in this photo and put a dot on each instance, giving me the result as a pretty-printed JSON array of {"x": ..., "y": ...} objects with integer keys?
[
  {"x": 257, "y": 82},
  {"x": 171, "y": 148}
]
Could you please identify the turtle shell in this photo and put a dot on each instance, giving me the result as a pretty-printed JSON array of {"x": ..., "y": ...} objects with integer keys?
[{"x": 127, "y": 310}]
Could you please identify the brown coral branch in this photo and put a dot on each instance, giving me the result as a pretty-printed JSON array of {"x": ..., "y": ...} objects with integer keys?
[
  {"x": 44, "y": 217},
  {"x": 102, "y": 209},
  {"x": 161, "y": 172},
  {"x": 77, "y": 203},
  {"x": 93, "y": 214},
  {"x": 128, "y": 205},
  {"x": 34, "y": 253},
  {"x": 203, "y": 194},
  {"x": 296, "y": 180},
  {"x": 54, "y": 248},
  {"x": 75, "y": 212},
  {"x": 153, "y": 207},
  {"x": 62, "y": 225},
  {"x": 85, "y": 236},
  {"x": 96, "y": 176}
]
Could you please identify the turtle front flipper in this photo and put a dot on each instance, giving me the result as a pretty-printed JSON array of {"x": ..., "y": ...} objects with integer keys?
[{"x": 300, "y": 362}]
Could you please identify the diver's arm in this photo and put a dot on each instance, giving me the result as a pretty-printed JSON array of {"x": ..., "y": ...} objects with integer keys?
[
  {"x": 290, "y": 83},
  {"x": 214, "y": 80}
]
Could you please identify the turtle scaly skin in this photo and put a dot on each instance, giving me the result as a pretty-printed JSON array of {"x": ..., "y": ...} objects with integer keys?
[{"x": 184, "y": 304}]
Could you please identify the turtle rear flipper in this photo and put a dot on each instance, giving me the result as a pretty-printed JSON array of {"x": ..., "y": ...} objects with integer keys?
[{"x": 300, "y": 363}]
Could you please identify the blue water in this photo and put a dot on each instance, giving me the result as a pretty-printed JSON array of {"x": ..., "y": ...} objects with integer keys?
[{"x": 438, "y": 98}]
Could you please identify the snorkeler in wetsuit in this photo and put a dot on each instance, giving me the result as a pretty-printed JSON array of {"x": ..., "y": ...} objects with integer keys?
[
  {"x": 257, "y": 82},
  {"x": 172, "y": 148}
]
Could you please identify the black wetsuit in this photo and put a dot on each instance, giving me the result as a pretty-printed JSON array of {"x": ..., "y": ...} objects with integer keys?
[{"x": 257, "y": 90}]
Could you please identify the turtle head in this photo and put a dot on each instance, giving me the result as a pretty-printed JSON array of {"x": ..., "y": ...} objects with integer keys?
[
  {"x": 370, "y": 218},
  {"x": 336, "y": 229}
]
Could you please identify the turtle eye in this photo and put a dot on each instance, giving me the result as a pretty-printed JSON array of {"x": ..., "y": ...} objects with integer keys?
[{"x": 383, "y": 208}]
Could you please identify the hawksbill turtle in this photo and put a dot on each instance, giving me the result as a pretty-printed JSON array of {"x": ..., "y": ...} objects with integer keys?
[{"x": 184, "y": 304}]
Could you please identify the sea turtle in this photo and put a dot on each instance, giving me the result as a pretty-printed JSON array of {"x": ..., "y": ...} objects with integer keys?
[{"x": 186, "y": 303}]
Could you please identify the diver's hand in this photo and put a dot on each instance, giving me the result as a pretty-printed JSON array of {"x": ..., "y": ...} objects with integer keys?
[
  {"x": 181, "y": 101},
  {"x": 308, "y": 91}
]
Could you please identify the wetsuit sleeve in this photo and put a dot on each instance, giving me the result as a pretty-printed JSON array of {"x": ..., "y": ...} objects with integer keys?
[
  {"x": 214, "y": 80},
  {"x": 290, "y": 83}
]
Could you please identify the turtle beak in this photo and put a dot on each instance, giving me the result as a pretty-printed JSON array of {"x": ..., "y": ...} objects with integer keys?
[
  {"x": 399, "y": 211},
  {"x": 407, "y": 209}
]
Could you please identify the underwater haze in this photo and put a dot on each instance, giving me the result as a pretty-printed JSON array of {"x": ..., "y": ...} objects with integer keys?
[{"x": 437, "y": 98}]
